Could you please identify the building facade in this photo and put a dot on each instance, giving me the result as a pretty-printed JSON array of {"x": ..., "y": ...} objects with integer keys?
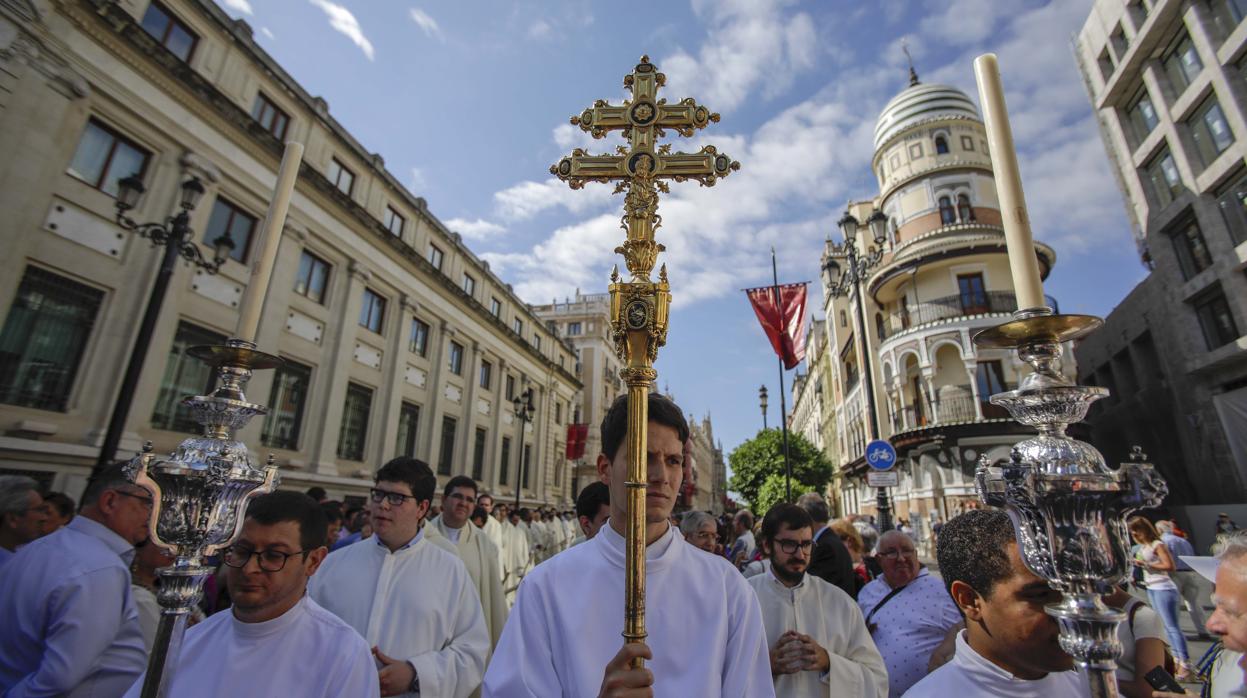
[
  {"x": 705, "y": 484},
  {"x": 813, "y": 411},
  {"x": 1167, "y": 81},
  {"x": 943, "y": 276},
  {"x": 397, "y": 339}
]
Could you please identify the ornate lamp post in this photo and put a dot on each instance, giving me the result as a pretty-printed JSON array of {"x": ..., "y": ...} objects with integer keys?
[
  {"x": 175, "y": 234},
  {"x": 762, "y": 402},
  {"x": 840, "y": 282},
  {"x": 523, "y": 406}
]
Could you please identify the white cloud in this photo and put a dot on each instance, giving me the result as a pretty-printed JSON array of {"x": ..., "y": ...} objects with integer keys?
[
  {"x": 344, "y": 22},
  {"x": 242, "y": 6},
  {"x": 478, "y": 229},
  {"x": 540, "y": 30},
  {"x": 267, "y": 32},
  {"x": 527, "y": 199},
  {"x": 426, "y": 23},
  {"x": 417, "y": 181}
]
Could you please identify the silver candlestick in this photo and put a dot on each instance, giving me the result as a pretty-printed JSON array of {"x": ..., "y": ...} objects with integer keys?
[
  {"x": 200, "y": 495},
  {"x": 1067, "y": 506}
]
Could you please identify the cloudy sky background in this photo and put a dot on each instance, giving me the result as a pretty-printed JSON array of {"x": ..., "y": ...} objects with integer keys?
[{"x": 468, "y": 103}]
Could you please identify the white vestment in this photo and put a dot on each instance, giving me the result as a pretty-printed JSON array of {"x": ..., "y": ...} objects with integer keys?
[
  {"x": 493, "y": 531},
  {"x": 824, "y": 612},
  {"x": 416, "y": 604},
  {"x": 705, "y": 627},
  {"x": 970, "y": 675},
  {"x": 481, "y": 558},
  {"x": 305, "y": 652}
]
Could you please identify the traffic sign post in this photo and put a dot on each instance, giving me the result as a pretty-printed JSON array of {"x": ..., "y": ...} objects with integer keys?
[
  {"x": 880, "y": 455},
  {"x": 883, "y": 478}
]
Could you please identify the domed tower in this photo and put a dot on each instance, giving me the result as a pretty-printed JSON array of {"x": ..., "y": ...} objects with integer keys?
[{"x": 941, "y": 275}]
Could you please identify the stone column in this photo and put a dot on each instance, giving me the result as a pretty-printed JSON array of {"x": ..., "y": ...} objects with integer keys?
[
  {"x": 393, "y": 378},
  {"x": 494, "y": 451},
  {"x": 928, "y": 379},
  {"x": 340, "y": 337},
  {"x": 464, "y": 447},
  {"x": 972, "y": 371},
  {"x": 436, "y": 388}
]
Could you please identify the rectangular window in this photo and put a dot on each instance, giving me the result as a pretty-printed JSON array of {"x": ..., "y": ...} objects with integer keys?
[
  {"x": 1210, "y": 131},
  {"x": 1182, "y": 64},
  {"x": 1138, "y": 12},
  {"x": 973, "y": 293},
  {"x": 1232, "y": 199},
  {"x": 1188, "y": 244},
  {"x": 478, "y": 454},
  {"x": 510, "y": 392},
  {"x": 230, "y": 221},
  {"x": 436, "y": 257},
  {"x": 495, "y": 307},
  {"x": 169, "y": 31},
  {"x": 915, "y": 151},
  {"x": 446, "y": 456},
  {"x": 419, "y": 341},
  {"x": 340, "y": 177},
  {"x": 1106, "y": 64},
  {"x": 1226, "y": 15},
  {"x": 486, "y": 374},
  {"x": 1142, "y": 115},
  {"x": 527, "y": 467},
  {"x": 1119, "y": 42},
  {"x": 518, "y": 326},
  {"x": 537, "y": 342},
  {"x": 990, "y": 376},
  {"x": 456, "y": 358},
  {"x": 372, "y": 312},
  {"x": 573, "y": 329},
  {"x": 967, "y": 143},
  {"x": 104, "y": 158},
  {"x": 408, "y": 422},
  {"x": 394, "y": 221},
  {"x": 44, "y": 337},
  {"x": 1216, "y": 320},
  {"x": 469, "y": 285},
  {"x": 504, "y": 461},
  {"x": 1162, "y": 178},
  {"x": 354, "y": 432},
  {"x": 269, "y": 117},
  {"x": 558, "y": 412},
  {"x": 313, "y": 277},
  {"x": 184, "y": 376},
  {"x": 285, "y": 404}
]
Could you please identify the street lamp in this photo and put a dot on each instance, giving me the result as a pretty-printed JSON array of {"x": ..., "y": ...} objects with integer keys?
[
  {"x": 840, "y": 281},
  {"x": 762, "y": 401},
  {"x": 175, "y": 234},
  {"x": 523, "y": 406}
]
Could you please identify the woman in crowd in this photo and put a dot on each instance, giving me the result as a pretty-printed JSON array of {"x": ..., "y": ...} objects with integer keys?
[
  {"x": 1154, "y": 558},
  {"x": 853, "y": 543},
  {"x": 1142, "y": 644}
]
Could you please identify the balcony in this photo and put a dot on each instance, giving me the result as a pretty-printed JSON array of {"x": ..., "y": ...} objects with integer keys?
[
  {"x": 950, "y": 410},
  {"x": 950, "y": 307}
]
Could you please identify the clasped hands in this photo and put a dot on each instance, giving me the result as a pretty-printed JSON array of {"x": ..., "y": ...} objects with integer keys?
[{"x": 795, "y": 652}]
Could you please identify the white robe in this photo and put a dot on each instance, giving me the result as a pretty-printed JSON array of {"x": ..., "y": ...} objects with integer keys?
[
  {"x": 481, "y": 558},
  {"x": 970, "y": 675},
  {"x": 705, "y": 627},
  {"x": 305, "y": 652},
  {"x": 494, "y": 532},
  {"x": 824, "y": 612},
  {"x": 417, "y": 604}
]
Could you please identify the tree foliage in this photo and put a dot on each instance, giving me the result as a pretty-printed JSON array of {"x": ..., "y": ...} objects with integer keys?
[
  {"x": 762, "y": 457},
  {"x": 772, "y": 492}
]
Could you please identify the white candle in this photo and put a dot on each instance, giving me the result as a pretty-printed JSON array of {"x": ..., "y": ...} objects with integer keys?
[
  {"x": 270, "y": 239},
  {"x": 1022, "y": 261}
]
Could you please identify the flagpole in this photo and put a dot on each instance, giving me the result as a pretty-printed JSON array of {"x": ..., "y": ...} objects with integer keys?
[{"x": 783, "y": 402}]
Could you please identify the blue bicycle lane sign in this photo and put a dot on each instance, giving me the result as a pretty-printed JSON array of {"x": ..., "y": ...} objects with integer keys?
[{"x": 880, "y": 455}]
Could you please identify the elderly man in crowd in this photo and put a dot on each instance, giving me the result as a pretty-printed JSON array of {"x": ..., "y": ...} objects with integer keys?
[
  {"x": 700, "y": 529},
  {"x": 743, "y": 548},
  {"x": 22, "y": 513},
  {"x": 907, "y": 611}
]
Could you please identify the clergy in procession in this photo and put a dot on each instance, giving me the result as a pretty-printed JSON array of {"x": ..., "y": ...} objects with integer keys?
[
  {"x": 473, "y": 547},
  {"x": 411, "y": 599},
  {"x": 1010, "y": 645},
  {"x": 563, "y": 637},
  {"x": 816, "y": 632},
  {"x": 593, "y": 507},
  {"x": 275, "y": 640},
  {"x": 493, "y": 531}
]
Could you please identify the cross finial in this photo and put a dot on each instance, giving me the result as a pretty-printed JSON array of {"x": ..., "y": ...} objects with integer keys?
[{"x": 913, "y": 74}]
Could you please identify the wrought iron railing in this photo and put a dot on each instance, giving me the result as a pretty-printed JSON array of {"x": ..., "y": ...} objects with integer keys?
[
  {"x": 960, "y": 305},
  {"x": 949, "y": 410}
]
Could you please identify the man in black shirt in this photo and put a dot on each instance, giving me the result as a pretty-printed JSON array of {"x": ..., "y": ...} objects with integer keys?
[{"x": 829, "y": 560}]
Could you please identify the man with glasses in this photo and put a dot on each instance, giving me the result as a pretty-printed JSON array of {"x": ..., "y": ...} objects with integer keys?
[
  {"x": 275, "y": 641},
  {"x": 68, "y": 623},
  {"x": 23, "y": 513},
  {"x": 908, "y": 612},
  {"x": 700, "y": 530},
  {"x": 412, "y": 599},
  {"x": 815, "y": 632},
  {"x": 472, "y": 546}
]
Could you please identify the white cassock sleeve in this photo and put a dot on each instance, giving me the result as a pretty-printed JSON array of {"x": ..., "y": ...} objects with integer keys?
[
  {"x": 858, "y": 669},
  {"x": 746, "y": 654},
  {"x": 523, "y": 662},
  {"x": 457, "y": 669}
]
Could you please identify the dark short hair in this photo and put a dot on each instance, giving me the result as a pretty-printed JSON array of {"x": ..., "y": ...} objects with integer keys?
[
  {"x": 317, "y": 493},
  {"x": 746, "y": 516},
  {"x": 333, "y": 511},
  {"x": 784, "y": 514},
  {"x": 591, "y": 499},
  {"x": 661, "y": 411},
  {"x": 972, "y": 548},
  {"x": 815, "y": 506},
  {"x": 285, "y": 505},
  {"x": 478, "y": 513},
  {"x": 482, "y": 495},
  {"x": 61, "y": 502},
  {"x": 414, "y": 472},
  {"x": 458, "y": 481},
  {"x": 109, "y": 478}
]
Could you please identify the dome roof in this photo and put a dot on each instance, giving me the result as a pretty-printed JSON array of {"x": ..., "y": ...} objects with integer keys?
[{"x": 919, "y": 102}]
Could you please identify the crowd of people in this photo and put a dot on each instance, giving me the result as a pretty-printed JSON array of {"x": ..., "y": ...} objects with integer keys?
[{"x": 451, "y": 593}]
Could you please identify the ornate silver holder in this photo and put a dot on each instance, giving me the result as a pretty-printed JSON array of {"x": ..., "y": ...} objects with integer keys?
[
  {"x": 1068, "y": 507},
  {"x": 200, "y": 494}
]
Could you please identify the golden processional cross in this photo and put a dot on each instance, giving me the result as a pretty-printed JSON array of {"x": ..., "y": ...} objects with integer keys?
[{"x": 639, "y": 306}]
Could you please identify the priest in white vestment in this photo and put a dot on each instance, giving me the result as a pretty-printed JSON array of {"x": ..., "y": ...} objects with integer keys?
[
  {"x": 411, "y": 599},
  {"x": 493, "y": 531},
  {"x": 478, "y": 554},
  {"x": 816, "y": 632},
  {"x": 274, "y": 641},
  {"x": 706, "y": 637},
  {"x": 1010, "y": 644},
  {"x": 593, "y": 508}
]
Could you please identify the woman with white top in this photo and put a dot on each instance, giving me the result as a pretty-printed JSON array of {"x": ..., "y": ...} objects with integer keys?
[
  {"x": 1142, "y": 643},
  {"x": 1154, "y": 557}
]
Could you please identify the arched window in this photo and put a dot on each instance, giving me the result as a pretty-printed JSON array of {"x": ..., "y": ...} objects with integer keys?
[
  {"x": 963, "y": 208},
  {"x": 941, "y": 145},
  {"x": 879, "y": 327},
  {"x": 947, "y": 214}
]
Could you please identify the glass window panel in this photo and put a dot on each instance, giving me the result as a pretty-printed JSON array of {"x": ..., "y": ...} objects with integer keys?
[
  {"x": 1216, "y": 320},
  {"x": 184, "y": 376},
  {"x": 504, "y": 461},
  {"x": 127, "y": 160},
  {"x": 92, "y": 154},
  {"x": 354, "y": 431},
  {"x": 1142, "y": 116},
  {"x": 478, "y": 454},
  {"x": 1233, "y": 204},
  {"x": 419, "y": 340},
  {"x": 408, "y": 424},
  {"x": 312, "y": 277},
  {"x": 1193, "y": 255},
  {"x": 456, "y": 358},
  {"x": 286, "y": 402},
  {"x": 180, "y": 42},
  {"x": 156, "y": 21},
  {"x": 446, "y": 455}
]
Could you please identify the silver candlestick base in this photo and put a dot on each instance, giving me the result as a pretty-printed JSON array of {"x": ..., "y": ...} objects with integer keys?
[
  {"x": 200, "y": 495},
  {"x": 1067, "y": 506}
]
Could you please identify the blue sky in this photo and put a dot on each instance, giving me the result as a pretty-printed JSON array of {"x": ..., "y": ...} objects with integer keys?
[{"x": 468, "y": 101}]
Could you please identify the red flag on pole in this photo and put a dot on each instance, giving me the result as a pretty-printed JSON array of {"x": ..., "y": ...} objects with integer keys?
[
  {"x": 784, "y": 324},
  {"x": 577, "y": 435}
]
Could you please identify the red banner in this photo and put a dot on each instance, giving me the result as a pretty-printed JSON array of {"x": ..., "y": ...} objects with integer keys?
[
  {"x": 784, "y": 325},
  {"x": 577, "y": 435}
]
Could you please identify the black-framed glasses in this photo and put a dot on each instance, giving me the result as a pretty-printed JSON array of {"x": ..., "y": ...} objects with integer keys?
[
  {"x": 894, "y": 554},
  {"x": 395, "y": 499},
  {"x": 790, "y": 546},
  {"x": 270, "y": 560},
  {"x": 462, "y": 497},
  {"x": 147, "y": 501}
]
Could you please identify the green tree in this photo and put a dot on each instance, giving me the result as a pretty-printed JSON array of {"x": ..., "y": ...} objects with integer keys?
[
  {"x": 772, "y": 492},
  {"x": 762, "y": 457}
]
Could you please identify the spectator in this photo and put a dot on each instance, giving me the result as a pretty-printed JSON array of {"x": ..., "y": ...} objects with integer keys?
[
  {"x": 744, "y": 547},
  {"x": 830, "y": 560},
  {"x": 317, "y": 494},
  {"x": 22, "y": 513},
  {"x": 700, "y": 529},
  {"x": 333, "y": 515},
  {"x": 59, "y": 511},
  {"x": 870, "y": 536},
  {"x": 853, "y": 543},
  {"x": 1142, "y": 642},
  {"x": 1190, "y": 584},
  {"x": 593, "y": 508},
  {"x": 1154, "y": 558},
  {"x": 148, "y": 558}
]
